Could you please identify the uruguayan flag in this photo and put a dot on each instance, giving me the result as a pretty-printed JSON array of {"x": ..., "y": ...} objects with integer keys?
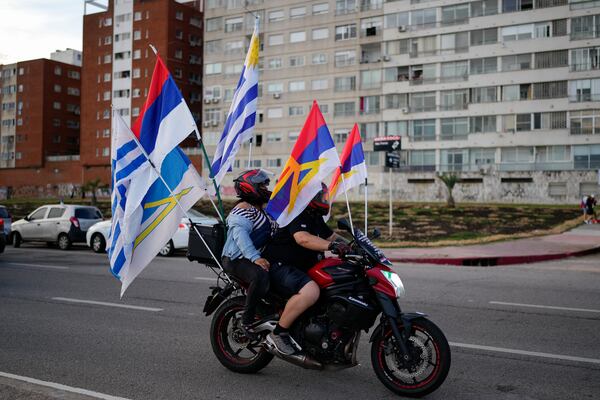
[
  {"x": 242, "y": 113},
  {"x": 128, "y": 162}
]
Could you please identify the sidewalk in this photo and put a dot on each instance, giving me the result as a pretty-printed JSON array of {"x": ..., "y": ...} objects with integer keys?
[{"x": 580, "y": 241}]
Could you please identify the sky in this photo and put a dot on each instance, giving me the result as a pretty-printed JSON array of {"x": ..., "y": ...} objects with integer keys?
[{"x": 32, "y": 29}]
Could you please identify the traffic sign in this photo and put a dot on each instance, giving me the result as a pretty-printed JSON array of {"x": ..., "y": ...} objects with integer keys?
[
  {"x": 387, "y": 143},
  {"x": 392, "y": 160}
]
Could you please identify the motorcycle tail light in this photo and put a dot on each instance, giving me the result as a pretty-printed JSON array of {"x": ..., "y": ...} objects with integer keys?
[
  {"x": 74, "y": 221},
  {"x": 182, "y": 226},
  {"x": 1, "y": 224}
]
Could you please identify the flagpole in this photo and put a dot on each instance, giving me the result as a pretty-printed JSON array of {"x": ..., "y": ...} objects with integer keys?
[
  {"x": 347, "y": 202},
  {"x": 250, "y": 152},
  {"x": 366, "y": 188},
  {"x": 179, "y": 204},
  {"x": 221, "y": 210}
]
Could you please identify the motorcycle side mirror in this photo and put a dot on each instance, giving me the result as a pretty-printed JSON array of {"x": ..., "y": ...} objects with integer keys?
[
  {"x": 343, "y": 224},
  {"x": 376, "y": 233}
]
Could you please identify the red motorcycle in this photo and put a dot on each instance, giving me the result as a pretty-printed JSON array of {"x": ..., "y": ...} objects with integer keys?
[{"x": 409, "y": 353}]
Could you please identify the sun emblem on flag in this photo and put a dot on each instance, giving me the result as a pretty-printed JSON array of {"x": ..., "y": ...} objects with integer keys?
[{"x": 252, "y": 60}]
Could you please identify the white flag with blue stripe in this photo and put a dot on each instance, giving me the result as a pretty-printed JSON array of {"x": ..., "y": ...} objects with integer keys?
[{"x": 240, "y": 122}]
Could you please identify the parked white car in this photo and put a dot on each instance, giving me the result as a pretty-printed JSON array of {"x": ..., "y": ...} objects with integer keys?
[
  {"x": 55, "y": 223},
  {"x": 97, "y": 235}
]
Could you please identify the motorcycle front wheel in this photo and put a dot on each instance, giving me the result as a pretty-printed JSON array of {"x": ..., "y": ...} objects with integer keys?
[
  {"x": 427, "y": 369},
  {"x": 232, "y": 348}
]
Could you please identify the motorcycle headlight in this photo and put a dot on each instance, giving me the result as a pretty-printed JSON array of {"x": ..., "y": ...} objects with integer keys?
[{"x": 394, "y": 279}]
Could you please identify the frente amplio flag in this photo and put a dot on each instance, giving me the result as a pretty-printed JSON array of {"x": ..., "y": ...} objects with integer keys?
[
  {"x": 353, "y": 168},
  {"x": 239, "y": 125},
  {"x": 313, "y": 158}
]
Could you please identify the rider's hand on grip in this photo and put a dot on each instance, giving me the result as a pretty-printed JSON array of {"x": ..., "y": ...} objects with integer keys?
[{"x": 339, "y": 248}]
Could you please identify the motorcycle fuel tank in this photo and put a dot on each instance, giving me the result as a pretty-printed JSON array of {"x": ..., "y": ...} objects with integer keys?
[{"x": 330, "y": 271}]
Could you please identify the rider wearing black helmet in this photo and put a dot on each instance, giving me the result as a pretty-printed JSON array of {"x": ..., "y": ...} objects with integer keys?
[
  {"x": 301, "y": 243},
  {"x": 249, "y": 229}
]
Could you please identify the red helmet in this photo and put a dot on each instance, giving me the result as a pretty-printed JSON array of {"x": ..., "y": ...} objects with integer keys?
[
  {"x": 252, "y": 186},
  {"x": 320, "y": 203}
]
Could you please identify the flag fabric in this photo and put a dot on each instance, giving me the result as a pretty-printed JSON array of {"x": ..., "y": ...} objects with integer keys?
[
  {"x": 159, "y": 216},
  {"x": 239, "y": 125},
  {"x": 165, "y": 120},
  {"x": 128, "y": 163},
  {"x": 353, "y": 166},
  {"x": 145, "y": 213},
  {"x": 313, "y": 158}
]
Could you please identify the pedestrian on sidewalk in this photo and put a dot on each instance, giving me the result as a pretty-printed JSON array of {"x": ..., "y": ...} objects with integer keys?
[
  {"x": 583, "y": 206},
  {"x": 589, "y": 209}
]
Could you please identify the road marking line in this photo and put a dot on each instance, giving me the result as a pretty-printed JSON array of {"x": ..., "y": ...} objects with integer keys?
[
  {"x": 526, "y": 353},
  {"x": 548, "y": 307},
  {"x": 102, "y": 303},
  {"x": 62, "y": 387},
  {"x": 38, "y": 265},
  {"x": 201, "y": 278}
]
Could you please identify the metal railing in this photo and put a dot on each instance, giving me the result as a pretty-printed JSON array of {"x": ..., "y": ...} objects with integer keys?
[{"x": 583, "y": 97}]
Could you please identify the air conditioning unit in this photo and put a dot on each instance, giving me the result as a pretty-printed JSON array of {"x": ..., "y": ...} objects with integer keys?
[
  {"x": 215, "y": 123},
  {"x": 276, "y": 95},
  {"x": 206, "y": 100},
  {"x": 402, "y": 28},
  {"x": 404, "y": 110},
  {"x": 386, "y": 58},
  {"x": 215, "y": 100},
  {"x": 206, "y": 124}
]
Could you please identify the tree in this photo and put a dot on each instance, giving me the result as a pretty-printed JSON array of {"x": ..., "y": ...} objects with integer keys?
[
  {"x": 92, "y": 186},
  {"x": 450, "y": 180}
]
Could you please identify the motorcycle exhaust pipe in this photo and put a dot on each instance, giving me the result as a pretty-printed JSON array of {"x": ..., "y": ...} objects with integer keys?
[{"x": 301, "y": 360}]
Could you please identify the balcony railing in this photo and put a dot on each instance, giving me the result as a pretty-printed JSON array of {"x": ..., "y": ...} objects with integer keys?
[
  {"x": 584, "y": 130},
  {"x": 584, "y": 97}
]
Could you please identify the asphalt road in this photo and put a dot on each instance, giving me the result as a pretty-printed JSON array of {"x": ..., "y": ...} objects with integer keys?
[{"x": 518, "y": 332}]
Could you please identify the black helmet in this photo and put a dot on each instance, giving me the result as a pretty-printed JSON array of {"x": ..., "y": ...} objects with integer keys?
[
  {"x": 320, "y": 203},
  {"x": 252, "y": 186}
]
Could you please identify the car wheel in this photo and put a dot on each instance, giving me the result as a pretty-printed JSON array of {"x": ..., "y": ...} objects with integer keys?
[
  {"x": 168, "y": 249},
  {"x": 64, "y": 243},
  {"x": 98, "y": 243},
  {"x": 17, "y": 240}
]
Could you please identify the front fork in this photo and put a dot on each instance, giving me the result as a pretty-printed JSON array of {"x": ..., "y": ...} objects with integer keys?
[{"x": 391, "y": 312}]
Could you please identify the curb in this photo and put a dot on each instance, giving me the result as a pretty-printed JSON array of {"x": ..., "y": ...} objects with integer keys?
[{"x": 495, "y": 261}]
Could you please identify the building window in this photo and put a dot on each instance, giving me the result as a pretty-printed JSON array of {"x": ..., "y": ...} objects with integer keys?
[
  {"x": 275, "y": 63},
  {"x": 454, "y": 128},
  {"x": 344, "y": 83},
  {"x": 320, "y": 33},
  {"x": 454, "y": 159},
  {"x": 424, "y": 18},
  {"x": 423, "y": 130},
  {"x": 296, "y": 86},
  {"x": 57, "y": 70},
  {"x": 214, "y": 24},
  {"x": 297, "y": 12},
  {"x": 586, "y": 157},
  {"x": 57, "y": 88},
  {"x": 73, "y": 91},
  {"x": 422, "y": 160},
  {"x": 108, "y": 58},
  {"x": 370, "y": 79},
  {"x": 297, "y": 37},
  {"x": 344, "y": 109},
  {"x": 483, "y": 124},
  {"x": 320, "y": 8},
  {"x": 585, "y": 59},
  {"x": 275, "y": 40},
  {"x": 396, "y": 101},
  {"x": 516, "y": 5},
  {"x": 319, "y": 84},
  {"x": 211, "y": 69},
  {"x": 275, "y": 113},
  {"x": 345, "y": 58},
  {"x": 319, "y": 58},
  {"x": 275, "y": 87},
  {"x": 277, "y": 15},
  {"x": 516, "y": 62},
  {"x": 137, "y": 54},
  {"x": 456, "y": 14},
  {"x": 516, "y": 154},
  {"x": 178, "y": 54},
  {"x": 585, "y": 122},
  {"x": 345, "y": 32},
  {"x": 296, "y": 110},
  {"x": 454, "y": 71},
  {"x": 423, "y": 101},
  {"x": 296, "y": 61},
  {"x": 484, "y": 7},
  {"x": 274, "y": 163},
  {"x": 484, "y": 36},
  {"x": 137, "y": 35},
  {"x": 234, "y": 24},
  {"x": 179, "y": 15},
  {"x": 56, "y": 105}
]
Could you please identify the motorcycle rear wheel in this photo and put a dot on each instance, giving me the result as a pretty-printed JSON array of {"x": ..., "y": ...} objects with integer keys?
[
  {"x": 231, "y": 347},
  {"x": 431, "y": 359}
]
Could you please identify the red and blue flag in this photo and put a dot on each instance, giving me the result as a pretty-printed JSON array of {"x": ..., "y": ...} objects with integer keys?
[
  {"x": 353, "y": 167},
  {"x": 313, "y": 158}
]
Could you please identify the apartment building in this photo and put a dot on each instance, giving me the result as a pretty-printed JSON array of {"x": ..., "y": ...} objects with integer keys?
[
  {"x": 309, "y": 50},
  {"x": 504, "y": 93},
  {"x": 39, "y": 113},
  {"x": 118, "y": 63}
]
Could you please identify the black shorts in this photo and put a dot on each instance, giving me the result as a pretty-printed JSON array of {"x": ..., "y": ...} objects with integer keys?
[{"x": 287, "y": 280}]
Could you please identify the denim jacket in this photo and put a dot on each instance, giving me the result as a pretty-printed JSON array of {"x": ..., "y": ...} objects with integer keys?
[
  {"x": 249, "y": 231},
  {"x": 238, "y": 243}
]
